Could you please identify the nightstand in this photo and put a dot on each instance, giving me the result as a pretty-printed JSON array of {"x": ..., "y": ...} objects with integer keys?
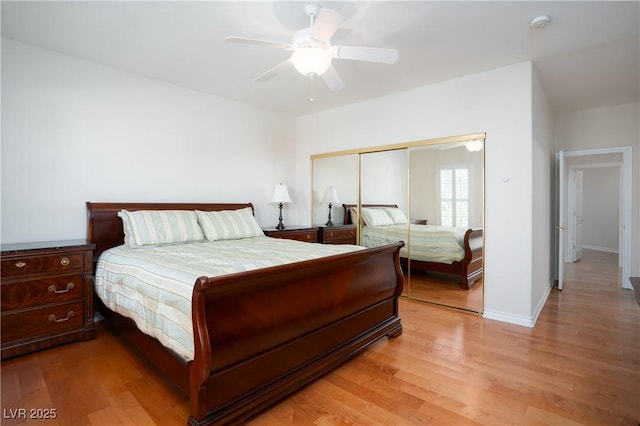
[
  {"x": 338, "y": 234},
  {"x": 307, "y": 234},
  {"x": 46, "y": 295}
]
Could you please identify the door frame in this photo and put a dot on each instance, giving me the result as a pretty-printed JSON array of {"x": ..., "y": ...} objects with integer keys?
[
  {"x": 571, "y": 211},
  {"x": 571, "y": 199},
  {"x": 626, "y": 203}
]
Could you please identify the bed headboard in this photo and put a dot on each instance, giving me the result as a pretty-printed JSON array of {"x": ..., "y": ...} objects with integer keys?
[
  {"x": 104, "y": 227},
  {"x": 348, "y": 220}
]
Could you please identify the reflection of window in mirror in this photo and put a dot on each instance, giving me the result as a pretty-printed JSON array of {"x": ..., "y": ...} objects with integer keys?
[
  {"x": 454, "y": 196},
  {"x": 447, "y": 185}
]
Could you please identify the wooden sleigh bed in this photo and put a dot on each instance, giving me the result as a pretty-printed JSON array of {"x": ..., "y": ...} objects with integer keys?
[
  {"x": 467, "y": 270},
  {"x": 241, "y": 367}
]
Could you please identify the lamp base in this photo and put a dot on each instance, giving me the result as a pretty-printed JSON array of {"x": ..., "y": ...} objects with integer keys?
[
  {"x": 329, "y": 222},
  {"x": 280, "y": 225}
]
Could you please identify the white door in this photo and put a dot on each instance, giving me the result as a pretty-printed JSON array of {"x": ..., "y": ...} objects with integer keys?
[
  {"x": 578, "y": 216},
  {"x": 560, "y": 227}
]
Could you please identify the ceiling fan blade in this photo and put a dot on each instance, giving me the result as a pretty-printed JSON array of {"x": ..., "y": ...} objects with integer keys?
[
  {"x": 332, "y": 79},
  {"x": 255, "y": 41},
  {"x": 325, "y": 25},
  {"x": 282, "y": 66},
  {"x": 369, "y": 54}
]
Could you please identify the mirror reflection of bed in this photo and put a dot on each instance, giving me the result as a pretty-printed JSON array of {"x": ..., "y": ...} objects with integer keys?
[
  {"x": 437, "y": 182},
  {"x": 443, "y": 264}
]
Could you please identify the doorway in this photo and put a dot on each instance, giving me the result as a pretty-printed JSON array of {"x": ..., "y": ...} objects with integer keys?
[{"x": 572, "y": 225}]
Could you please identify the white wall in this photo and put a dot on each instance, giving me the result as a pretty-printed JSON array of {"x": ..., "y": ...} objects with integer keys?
[
  {"x": 498, "y": 102},
  {"x": 543, "y": 201},
  {"x": 601, "y": 208},
  {"x": 609, "y": 127},
  {"x": 383, "y": 177},
  {"x": 342, "y": 174},
  {"x": 75, "y": 131}
]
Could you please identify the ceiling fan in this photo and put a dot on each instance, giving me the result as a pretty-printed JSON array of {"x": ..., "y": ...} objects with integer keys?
[{"x": 313, "y": 51}]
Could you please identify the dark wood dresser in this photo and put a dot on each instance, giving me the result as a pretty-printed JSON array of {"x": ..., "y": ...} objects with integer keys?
[
  {"x": 338, "y": 234},
  {"x": 308, "y": 234},
  {"x": 46, "y": 295}
]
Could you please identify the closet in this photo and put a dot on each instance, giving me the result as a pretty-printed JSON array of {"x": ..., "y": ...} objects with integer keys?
[{"x": 426, "y": 193}]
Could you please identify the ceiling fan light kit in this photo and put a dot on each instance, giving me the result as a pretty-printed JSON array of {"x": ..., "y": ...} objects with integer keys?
[
  {"x": 474, "y": 145},
  {"x": 312, "y": 50},
  {"x": 311, "y": 61}
]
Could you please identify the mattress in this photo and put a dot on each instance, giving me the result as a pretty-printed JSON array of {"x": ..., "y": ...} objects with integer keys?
[
  {"x": 153, "y": 285},
  {"x": 428, "y": 243}
]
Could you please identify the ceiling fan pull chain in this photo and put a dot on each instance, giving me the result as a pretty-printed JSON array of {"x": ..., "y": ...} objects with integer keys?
[{"x": 311, "y": 98}]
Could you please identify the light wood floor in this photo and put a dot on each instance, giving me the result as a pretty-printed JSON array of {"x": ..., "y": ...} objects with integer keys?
[{"x": 579, "y": 365}]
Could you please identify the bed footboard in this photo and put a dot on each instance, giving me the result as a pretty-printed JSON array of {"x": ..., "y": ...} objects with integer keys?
[
  {"x": 261, "y": 335},
  {"x": 472, "y": 262},
  {"x": 467, "y": 270}
]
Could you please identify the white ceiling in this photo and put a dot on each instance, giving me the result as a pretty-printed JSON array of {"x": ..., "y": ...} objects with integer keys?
[{"x": 588, "y": 57}]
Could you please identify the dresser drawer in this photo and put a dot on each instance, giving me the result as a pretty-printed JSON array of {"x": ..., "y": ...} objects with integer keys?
[
  {"x": 346, "y": 236},
  {"x": 40, "y": 292},
  {"x": 20, "y": 266},
  {"x": 308, "y": 236},
  {"x": 43, "y": 321},
  {"x": 341, "y": 234}
]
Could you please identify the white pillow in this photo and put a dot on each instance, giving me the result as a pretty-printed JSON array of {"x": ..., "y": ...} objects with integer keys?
[
  {"x": 229, "y": 224},
  {"x": 354, "y": 215},
  {"x": 155, "y": 227},
  {"x": 376, "y": 217},
  {"x": 397, "y": 216}
]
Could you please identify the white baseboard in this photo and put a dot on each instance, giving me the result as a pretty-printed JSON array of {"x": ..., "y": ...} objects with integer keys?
[
  {"x": 599, "y": 248},
  {"x": 520, "y": 319},
  {"x": 542, "y": 301},
  {"x": 510, "y": 318}
]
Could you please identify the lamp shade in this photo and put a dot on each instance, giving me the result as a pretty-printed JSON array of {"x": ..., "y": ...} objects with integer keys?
[
  {"x": 330, "y": 196},
  {"x": 311, "y": 61},
  {"x": 280, "y": 194}
]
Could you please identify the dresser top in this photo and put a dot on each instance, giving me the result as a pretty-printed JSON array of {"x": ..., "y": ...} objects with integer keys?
[
  {"x": 39, "y": 245},
  {"x": 291, "y": 228}
]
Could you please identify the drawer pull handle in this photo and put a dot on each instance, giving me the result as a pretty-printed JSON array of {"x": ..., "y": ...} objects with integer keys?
[
  {"x": 65, "y": 261},
  {"x": 53, "y": 318},
  {"x": 20, "y": 264},
  {"x": 52, "y": 288}
]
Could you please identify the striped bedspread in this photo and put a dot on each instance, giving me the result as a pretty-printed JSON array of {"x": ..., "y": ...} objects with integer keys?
[
  {"x": 428, "y": 242},
  {"x": 153, "y": 285}
]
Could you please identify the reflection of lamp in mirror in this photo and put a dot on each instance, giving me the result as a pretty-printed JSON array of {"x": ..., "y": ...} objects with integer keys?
[
  {"x": 330, "y": 197},
  {"x": 474, "y": 145},
  {"x": 280, "y": 196}
]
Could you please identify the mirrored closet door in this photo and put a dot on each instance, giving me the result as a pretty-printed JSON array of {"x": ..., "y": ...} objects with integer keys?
[
  {"x": 446, "y": 186},
  {"x": 383, "y": 193},
  {"x": 429, "y": 194}
]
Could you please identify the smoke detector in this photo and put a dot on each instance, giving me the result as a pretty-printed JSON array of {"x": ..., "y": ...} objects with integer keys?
[{"x": 540, "y": 21}]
